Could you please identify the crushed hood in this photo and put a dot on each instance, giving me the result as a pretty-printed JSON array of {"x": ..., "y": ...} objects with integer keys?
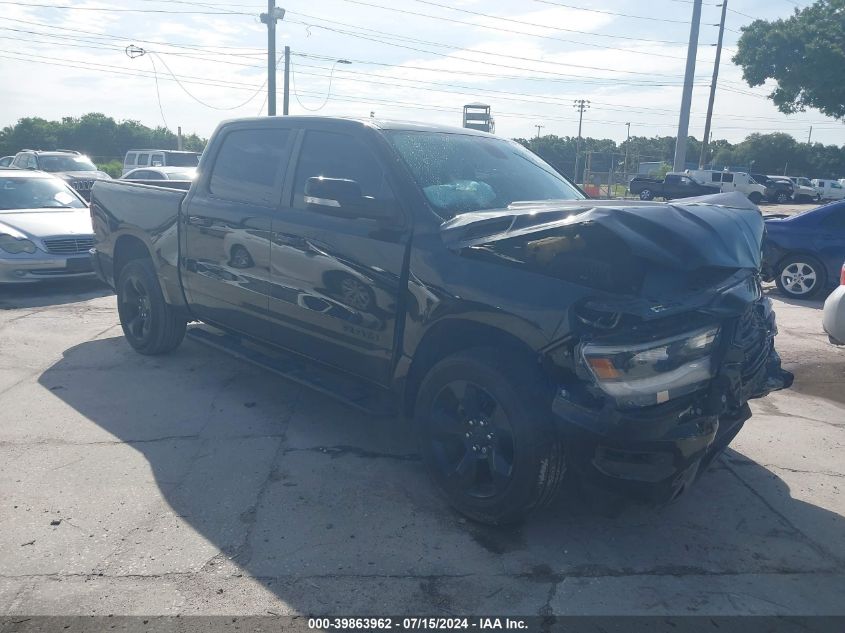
[{"x": 715, "y": 231}]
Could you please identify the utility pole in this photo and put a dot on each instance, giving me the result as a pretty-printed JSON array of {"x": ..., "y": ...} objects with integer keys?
[
  {"x": 580, "y": 105},
  {"x": 179, "y": 138},
  {"x": 627, "y": 142},
  {"x": 703, "y": 159},
  {"x": 270, "y": 18},
  {"x": 539, "y": 127},
  {"x": 686, "y": 97},
  {"x": 810, "y": 135},
  {"x": 286, "y": 86}
]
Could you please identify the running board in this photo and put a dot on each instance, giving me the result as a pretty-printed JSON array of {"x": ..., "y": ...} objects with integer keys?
[{"x": 346, "y": 389}]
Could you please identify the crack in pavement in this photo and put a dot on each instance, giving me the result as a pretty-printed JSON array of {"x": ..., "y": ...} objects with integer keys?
[
  {"x": 556, "y": 578},
  {"x": 341, "y": 450}
]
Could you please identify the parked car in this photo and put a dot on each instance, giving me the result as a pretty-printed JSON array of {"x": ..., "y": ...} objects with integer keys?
[
  {"x": 71, "y": 166},
  {"x": 672, "y": 186},
  {"x": 778, "y": 188},
  {"x": 528, "y": 332},
  {"x": 803, "y": 253},
  {"x": 138, "y": 158},
  {"x": 6, "y": 161},
  {"x": 833, "y": 315},
  {"x": 728, "y": 181},
  {"x": 828, "y": 189},
  {"x": 804, "y": 189},
  {"x": 45, "y": 228},
  {"x": 161, "y": 173}
]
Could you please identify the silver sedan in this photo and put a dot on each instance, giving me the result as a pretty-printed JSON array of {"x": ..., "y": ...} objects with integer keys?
[{"x": 45, "y": 228}]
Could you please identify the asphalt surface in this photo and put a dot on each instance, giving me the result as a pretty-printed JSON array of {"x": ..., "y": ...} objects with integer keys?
[{"x": 196, "y": 484}]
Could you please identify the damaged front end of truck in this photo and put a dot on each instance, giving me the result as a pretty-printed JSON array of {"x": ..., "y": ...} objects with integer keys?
[{"x": 655, "y": 364}]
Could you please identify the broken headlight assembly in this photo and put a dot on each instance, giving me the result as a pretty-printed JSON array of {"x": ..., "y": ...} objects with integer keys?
[{"x": 646, "y": 374}]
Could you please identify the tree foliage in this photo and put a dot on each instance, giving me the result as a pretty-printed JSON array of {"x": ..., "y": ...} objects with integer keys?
[
  {"x": 94, "y": 134},
  {"x": 804, "y": 54},
  {"x": 775, "y": 153}
]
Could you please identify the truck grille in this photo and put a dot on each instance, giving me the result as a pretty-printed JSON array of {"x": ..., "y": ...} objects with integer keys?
[{"x": 69, "y": 245}]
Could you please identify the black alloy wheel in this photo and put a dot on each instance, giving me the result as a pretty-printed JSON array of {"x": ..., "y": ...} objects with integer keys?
[
  {"x": 150, "y": 325},
  {"x": 472, "y": 439},
  {"x": 486, "y": 435}
]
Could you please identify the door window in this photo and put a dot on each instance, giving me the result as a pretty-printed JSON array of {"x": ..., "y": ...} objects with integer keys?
[
  {"x": 250, "y": 166},
  {"x": 157, "y": 160},
  {"x": 143, "y": 160},
  {"x": 727, "y": 177},
  {"x": 335, "y": 155},
  {"x": 130, "y": 159}
]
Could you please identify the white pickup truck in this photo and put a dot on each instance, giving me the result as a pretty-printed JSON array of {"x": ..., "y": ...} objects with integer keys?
[{"x": 729, "y": 181}]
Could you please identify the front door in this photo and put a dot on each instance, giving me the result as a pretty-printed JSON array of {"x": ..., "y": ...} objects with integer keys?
[
  {"x": 226, "y": 228},
  {"x": 336, "y": 282}
]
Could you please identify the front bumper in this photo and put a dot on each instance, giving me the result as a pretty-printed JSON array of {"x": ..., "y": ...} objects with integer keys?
[
  {"x": 42, "y": 266},
  {"x": 655, "y": 453}
]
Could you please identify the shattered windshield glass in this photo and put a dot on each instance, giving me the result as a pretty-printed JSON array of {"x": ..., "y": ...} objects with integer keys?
[{"x": 459, "y": 173}]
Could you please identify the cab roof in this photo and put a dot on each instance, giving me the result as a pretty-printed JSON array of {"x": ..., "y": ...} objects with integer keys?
[{"x": 379, "y": 124}]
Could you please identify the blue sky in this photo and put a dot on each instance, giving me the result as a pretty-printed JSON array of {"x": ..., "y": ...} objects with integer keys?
[{"x": 411, "y": 59}]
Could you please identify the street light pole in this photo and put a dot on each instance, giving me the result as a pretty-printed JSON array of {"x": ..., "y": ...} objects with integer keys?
[
  {"x": 686, "y": 97},
  {"x": 539, "y": 127},
  {"x": 703, "y": 159},
  {"x": 627, "y": 142},
  {"x": 270, "y": 18}
]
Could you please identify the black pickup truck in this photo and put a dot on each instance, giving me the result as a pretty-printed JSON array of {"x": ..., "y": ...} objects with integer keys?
[
  {"x": 457, "y": 280},
  {"x": 673, "y": 186}
]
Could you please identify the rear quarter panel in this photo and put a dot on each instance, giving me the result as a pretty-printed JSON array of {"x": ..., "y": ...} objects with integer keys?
[{"x": 121, "y": 211}]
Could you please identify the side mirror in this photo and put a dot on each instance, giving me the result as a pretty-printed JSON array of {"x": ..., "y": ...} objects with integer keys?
[
  {"x": 333, "y": 193},
  {"x": 343, "y": 197}
]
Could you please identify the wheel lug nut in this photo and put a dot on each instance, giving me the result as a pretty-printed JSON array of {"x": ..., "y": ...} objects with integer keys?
[
  {"x": 484, "y": 451},
  {"x": 489, "y": 436},
  {"x": 468, "y": 434},
  {"x": 471, "y": 423},
  {"x": 475, "y": 448}
]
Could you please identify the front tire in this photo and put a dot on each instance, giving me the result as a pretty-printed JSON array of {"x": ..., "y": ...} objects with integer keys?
[
  {"x": 782, "y": 197},
  {"x": 486, "y": 436},
  {"x": 800, "y": 277},
  {"x": 646, "y": 194},
  {"x": 148, "y": 322},
  {"x": 756, "y": 197}
]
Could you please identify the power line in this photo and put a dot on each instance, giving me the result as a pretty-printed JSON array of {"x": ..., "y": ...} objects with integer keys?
[
  {"x": 546, "y": 26},
  {"x": 625, "y": 15},
  {"x": 497, "y": 28},
  {"x": 119, "y": 10}
]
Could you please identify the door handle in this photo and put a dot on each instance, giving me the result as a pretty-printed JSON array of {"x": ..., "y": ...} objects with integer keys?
[{"x": 198, "y": 220}]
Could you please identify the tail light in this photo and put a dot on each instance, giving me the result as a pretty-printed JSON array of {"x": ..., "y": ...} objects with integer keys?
[{"x": 842, "y": 276}]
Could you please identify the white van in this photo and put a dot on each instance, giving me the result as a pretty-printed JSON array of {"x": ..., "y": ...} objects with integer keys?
[
  {"x": 829, "y": 189},
  {"x": 730, "y": 181},
  {"x": 136, "y": 158}
]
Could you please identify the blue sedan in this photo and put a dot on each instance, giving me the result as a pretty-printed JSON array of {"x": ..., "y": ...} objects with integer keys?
[{"x": 803, "y": 253}]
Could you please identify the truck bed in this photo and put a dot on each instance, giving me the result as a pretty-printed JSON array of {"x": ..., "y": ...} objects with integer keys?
[{"x": 149, "y": 214}]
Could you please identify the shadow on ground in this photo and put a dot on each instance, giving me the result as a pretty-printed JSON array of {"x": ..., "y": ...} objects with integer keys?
[
  {"x": 331, "y": 512},
  {"x": 50, "y": 293}
]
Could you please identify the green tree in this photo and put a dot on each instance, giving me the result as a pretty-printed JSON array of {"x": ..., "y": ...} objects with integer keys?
[{"x": 804, "y": 54}]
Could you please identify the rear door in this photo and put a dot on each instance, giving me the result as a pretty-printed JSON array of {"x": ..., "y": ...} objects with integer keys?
[
  {"x": 226, "y": 224},
  {"x": 336, "y": 282}
]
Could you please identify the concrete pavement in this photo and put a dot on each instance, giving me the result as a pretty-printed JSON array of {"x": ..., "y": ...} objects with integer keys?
[{"x": 196, "y": 484}]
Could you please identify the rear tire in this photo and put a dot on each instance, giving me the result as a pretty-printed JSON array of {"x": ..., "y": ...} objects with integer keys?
[
  {"x": 646, "y": 194},
  {"x": 782, "y": 197},
  {"x": 486, "y": 435},
  {"x": 149, "y": 323},
  {"x": 756, "y": 197}
]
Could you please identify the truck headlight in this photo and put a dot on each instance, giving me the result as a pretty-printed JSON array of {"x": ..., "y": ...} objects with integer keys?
[
  {"x": 15, "y": 245},
  {"x": 652, "y": 373}
]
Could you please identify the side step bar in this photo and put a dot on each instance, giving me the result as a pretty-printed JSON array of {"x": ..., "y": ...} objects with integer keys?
[{"x": 346, "y": 389}]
